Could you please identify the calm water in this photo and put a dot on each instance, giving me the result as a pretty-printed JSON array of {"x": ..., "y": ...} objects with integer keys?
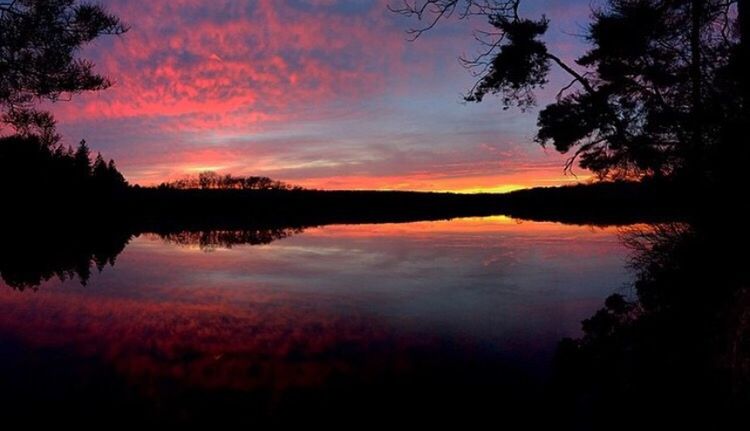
[{"x": 429, "y": 318}]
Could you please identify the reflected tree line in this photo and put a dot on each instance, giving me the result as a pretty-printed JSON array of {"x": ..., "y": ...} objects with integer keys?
[
  {"x": 214, "y": 239},
  {"x": 29, "y": 259}
]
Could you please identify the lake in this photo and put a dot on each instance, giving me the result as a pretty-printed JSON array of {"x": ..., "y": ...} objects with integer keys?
[{"x": 420, "y": 321}]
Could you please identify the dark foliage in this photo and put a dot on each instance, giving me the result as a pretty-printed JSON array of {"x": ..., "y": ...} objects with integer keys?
[
  {"x": 613, "y": 203},
  {"x": 36, "y": 176},
  {"x": 519, "y": 67},
  {"x": 39, "y": 41},
  {"x": 643, "y": 108},
  {"x": 677, "y": 354}
]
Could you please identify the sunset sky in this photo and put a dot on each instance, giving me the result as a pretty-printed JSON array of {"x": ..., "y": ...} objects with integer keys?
[{"x": 321, "y": 93}]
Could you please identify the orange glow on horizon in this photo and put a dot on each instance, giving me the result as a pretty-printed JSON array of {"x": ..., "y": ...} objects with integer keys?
[{"x": 427, "y": 182}]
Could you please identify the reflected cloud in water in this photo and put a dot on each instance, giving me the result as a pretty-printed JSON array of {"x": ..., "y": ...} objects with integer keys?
[{"x": 428, "y": 321}]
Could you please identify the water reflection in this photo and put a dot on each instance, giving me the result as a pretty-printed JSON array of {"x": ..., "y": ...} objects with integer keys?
[
  {"x": 213, "y": 239},
  {"x": 430, "y": 322},
  {"x": 28, "y": 259},
  {"x": 336, "y": 323}
]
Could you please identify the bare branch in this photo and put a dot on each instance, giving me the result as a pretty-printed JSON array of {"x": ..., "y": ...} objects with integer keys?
[{"x": 431, "y": 12}]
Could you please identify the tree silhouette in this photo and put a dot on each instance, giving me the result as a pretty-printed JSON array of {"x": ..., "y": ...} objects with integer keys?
[
  {"x": 677, "y": 353},
  {"x": 99, "y": 170},
  {"x": 209, "y": 180},
  {"x": 82, "y": 160},
  {"x": 653, "y": 95},
  {"x": 33, "y": 170},
  {"x": 114, "y": 177},
  {"x": 39, "y": 40}
]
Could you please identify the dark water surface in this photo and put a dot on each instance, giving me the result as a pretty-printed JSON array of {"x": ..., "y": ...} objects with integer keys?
[{"x": 422, "y": 322}]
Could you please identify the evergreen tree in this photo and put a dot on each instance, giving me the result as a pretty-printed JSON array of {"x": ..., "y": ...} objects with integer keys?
[
  {"x": 115, "y": 178},
  {"x": 100, "y": 171},
  {"x": 82, "y": 161},
  {"x": 39, "y": 42}
]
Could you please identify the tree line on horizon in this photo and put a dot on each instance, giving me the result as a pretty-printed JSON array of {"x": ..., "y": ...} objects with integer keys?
[{"x": 210, "y": 180}]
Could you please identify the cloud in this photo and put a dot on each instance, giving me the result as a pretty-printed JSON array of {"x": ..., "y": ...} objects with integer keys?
[{"x": 305, "y": 90}]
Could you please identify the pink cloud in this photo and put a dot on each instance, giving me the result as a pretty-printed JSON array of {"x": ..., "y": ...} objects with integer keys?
[
  {"x": 301, "y": 90},
  {"x": 247, "y": 69}
]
